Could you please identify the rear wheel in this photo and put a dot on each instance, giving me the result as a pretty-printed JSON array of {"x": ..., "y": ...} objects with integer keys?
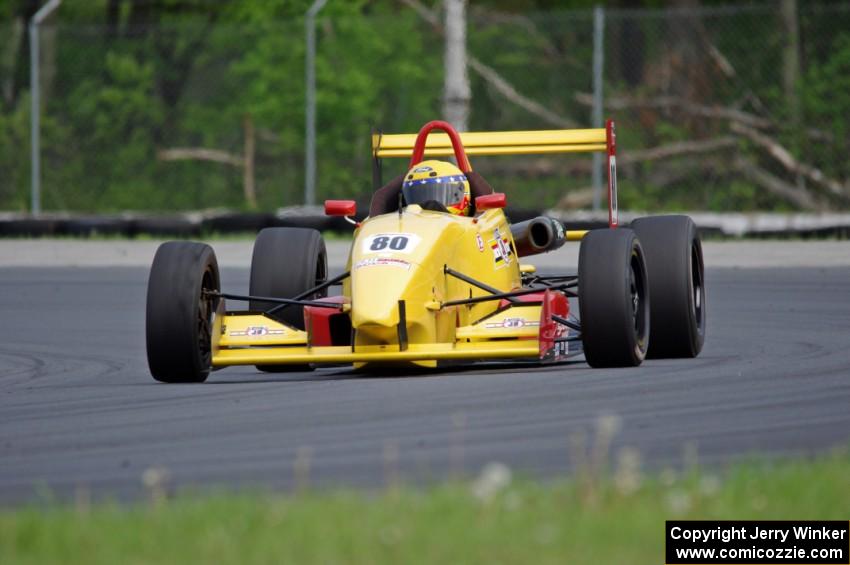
[
  {"x": 286, "y": 263},
  {"x": 613, "y": 298},
  {"x": 180, "y": 312},
  {"x": 674, "y": 260}
]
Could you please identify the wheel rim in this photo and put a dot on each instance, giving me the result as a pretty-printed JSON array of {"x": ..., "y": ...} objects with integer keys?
[
  {"x": 206, "y": 312},
  {"x": 697, "y": 286},
  {"x": 637, "y": 294}
]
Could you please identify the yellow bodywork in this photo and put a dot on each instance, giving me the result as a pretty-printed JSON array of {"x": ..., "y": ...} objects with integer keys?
[
  {"x": 403, "y": 257},
  {"x": 494, "y": 142},
  {"x": 380, "y": 278}
]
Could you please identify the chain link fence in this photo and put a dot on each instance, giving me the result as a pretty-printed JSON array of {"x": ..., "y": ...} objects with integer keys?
[{"x": 732, "y": 108}]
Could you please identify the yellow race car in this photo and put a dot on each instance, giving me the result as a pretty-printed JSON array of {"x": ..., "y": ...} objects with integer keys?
[{"x": 436, "y": 274}]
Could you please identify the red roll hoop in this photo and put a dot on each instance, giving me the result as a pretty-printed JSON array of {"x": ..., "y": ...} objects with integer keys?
[{"x": 419, "y": 146}]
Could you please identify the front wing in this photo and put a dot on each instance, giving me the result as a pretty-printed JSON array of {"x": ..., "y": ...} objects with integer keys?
[
  {"x": 375, "y": 353},
  {"x": 523, "y": 332}
]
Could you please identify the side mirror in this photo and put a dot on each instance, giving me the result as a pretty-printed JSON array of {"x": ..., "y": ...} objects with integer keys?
[
  {"x": 490, "y": 201},
  {"x": 340, "y": 207}
]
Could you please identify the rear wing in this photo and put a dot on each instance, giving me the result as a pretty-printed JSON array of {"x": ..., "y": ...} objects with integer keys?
[{"x": 507, "y": 143}]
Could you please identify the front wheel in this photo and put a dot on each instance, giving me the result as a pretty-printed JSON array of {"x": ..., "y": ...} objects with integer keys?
[
  {"x": 180, "y": 312},
  {"x": 613, "y": 295},
  {"x": 674, "y": 260},
  {"x": 286, "y": 263}
]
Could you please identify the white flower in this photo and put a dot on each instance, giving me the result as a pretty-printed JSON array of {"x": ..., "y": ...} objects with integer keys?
[
  {"x": 155, "y": 480},
  {"x": 607, "y": 425},
  {"x": 678, "y": 501},
  {"x": 494, "y": 478},
  {"x": 709, "y": 485},
  {"x": 627, "y": 476}
]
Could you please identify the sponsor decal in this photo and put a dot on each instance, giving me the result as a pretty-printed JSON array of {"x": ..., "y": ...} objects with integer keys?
[
  {"x": 423, "y": 169},
  {"x": 501, "y": 248},
  {"x": 480, "y": 241},
  {"x": 256, "y": 331},
  {"x": 562, "y": 349},
  {"x": 379, "y": 261},
  {"x": 390, "y": 243},
  {"x": 512, "y": 323}
]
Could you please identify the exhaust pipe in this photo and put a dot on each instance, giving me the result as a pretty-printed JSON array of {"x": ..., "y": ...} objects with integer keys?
[{"x": 538, "y": 235}]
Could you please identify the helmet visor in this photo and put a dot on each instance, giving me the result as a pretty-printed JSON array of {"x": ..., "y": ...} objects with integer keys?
[{"x": 442, "y": 191}]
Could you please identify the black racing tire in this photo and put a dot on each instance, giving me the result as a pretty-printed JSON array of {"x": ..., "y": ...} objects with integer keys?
[
  {"x": 179, "y": 317},
  {"x": 677, "y": 284},
  {"x": 286, "y": 263},
  {"x": 613, "y": 295}
]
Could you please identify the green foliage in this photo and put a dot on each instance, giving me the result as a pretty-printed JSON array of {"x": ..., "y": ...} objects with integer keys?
[
  {"x": 116, "y": 116},
  {"x": 191, "y": 73},
  {"x": 826, "y": 98},
  {"x": 14, "y": 164}
]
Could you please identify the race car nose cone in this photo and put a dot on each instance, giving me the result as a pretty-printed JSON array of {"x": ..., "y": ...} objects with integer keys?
[{"x": 377, "y": 289}]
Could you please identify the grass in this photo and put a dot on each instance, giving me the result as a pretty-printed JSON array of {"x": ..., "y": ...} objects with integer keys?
[{"x": 493, "y": 519}]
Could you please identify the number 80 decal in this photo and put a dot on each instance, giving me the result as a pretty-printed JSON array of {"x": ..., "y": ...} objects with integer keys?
[{"x": 390, "y": 243}]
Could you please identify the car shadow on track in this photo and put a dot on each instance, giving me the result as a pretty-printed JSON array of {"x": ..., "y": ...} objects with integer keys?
[{"x": 347, "y": 373}]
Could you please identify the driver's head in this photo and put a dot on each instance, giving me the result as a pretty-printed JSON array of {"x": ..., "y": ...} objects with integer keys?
[{"x": 437, "y": 185}]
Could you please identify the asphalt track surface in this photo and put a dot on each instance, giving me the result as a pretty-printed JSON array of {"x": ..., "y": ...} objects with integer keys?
[{"x": 80, "y": 413}]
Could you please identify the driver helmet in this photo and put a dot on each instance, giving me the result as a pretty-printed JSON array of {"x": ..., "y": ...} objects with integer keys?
[{"x": 437, "y": 182}]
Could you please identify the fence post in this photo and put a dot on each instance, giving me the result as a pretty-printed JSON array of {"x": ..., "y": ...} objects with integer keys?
[
  {"x": 791, "y": 78},
  {"x": 35, "y": 106},
  {"x": 310, "y": 64},
  {"x": 596, "y": 118}
]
